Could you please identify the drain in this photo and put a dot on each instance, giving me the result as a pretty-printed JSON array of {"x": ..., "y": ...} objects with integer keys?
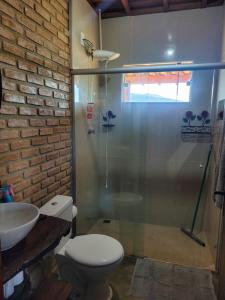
[{"x": 107, "y": 221}]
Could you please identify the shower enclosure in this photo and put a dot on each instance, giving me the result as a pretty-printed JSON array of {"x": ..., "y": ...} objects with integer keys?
[{"x": 139, "y": 164}]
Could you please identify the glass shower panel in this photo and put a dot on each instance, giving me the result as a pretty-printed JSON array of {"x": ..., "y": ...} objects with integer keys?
[{"x": 139, "y": 164}]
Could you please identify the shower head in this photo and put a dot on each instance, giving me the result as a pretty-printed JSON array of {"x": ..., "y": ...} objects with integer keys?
[{"x": 104, "y": 55}]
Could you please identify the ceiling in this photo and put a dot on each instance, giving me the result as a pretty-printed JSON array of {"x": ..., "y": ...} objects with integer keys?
[{"x": 121, "y": 8}]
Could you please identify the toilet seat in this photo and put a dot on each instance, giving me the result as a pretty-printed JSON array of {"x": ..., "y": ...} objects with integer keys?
[{"x": 94, "y": 250}]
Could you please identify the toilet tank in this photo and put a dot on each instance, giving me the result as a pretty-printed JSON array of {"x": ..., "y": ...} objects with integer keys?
[{"x": 60, "y": 206}]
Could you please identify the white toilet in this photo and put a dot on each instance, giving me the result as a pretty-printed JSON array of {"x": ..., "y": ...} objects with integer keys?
[{"x": 85, "y": 261}]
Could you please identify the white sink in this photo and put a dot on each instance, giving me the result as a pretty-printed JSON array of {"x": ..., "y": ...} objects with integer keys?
[{"x": 16, "y": 221}]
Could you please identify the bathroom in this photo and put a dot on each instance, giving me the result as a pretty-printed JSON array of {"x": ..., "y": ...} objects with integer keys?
[{"x": 72, "y": 124}]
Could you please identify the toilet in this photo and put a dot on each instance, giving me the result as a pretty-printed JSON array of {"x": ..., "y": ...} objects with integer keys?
[{"x": 85, "y": 261}]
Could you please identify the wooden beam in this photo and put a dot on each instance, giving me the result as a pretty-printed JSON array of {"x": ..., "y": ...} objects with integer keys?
[{"x": 126, "y": 6}]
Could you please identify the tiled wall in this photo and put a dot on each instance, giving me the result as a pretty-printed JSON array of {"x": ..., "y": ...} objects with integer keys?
[{"x": 35, "y": 117}]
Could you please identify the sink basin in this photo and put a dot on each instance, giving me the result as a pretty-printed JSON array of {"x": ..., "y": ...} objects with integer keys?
[{"x": 16, "y": 221}]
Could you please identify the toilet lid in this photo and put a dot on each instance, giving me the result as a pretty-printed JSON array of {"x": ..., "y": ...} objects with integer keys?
[{"x": 94, "y": 249}]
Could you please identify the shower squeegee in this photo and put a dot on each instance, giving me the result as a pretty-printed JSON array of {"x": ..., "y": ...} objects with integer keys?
[{"x": 190, "y": 232}]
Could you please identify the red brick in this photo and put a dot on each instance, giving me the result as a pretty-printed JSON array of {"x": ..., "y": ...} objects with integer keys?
[
  {"x": 34, "y": 58},
  {"x": 2, "y": 171},
  {"x": 51, "y": 103},
  {"x": 12, "y": 24},
  {"x": 42, "y": 12},
  {"x": 29, "y": 152},
  {"x": 20, "y": 144},
  {"x": 10, "y": 156},
  {"x": 6, "y": 134},
  {"x": 19, "y": 165},
  {"x": 17, "y": 123},
  {"x": 54, "y": 171},
  {"x": 44, "y": 52},
  {"x": 64, "y": 87},
  {"x": 64, "y": 122},
  {"x": 29, "y": 132},
  {"x": 15, "y": 74},
  {"x": 35, "y": 101},
  {"x": 63, "y": 105},
  {"x": 50, "y": 28},
  {"x": 26, "y": 44},
  {"x": 59, "y": 95},
  {"x": 65, "y": 180},
  {"x": 5, "y": 33},
  {"x": 50, "y": 46},
  {"x": 13, "y": 179},
  {"x": 22, "y": 19},
  {"x": 26, "y": 66},
  {"x": 47, "y": 182},
  {"x": 60, "y": 113},
  {"x": 60, "y": 129},
  {"x": 33, "y": 15},
  {"x": 7, "y": 59},
  {"x": 47, "y": 165},
  {"x": 27, "y": 111},
  {"x": 39, "y": 177},
  {"x": 60, "y": 145},
  {"x": 51, "y": 84},
  {"x": 29, "y": 2},
  {"x": 35, "y": 79},
  {"x": 58, "y": 76},
  {"x": 37, "y": 122},
  {"x": 39, "y": 195},
  {"x": 39, "y": 141},
  {"x": 4, "y": 147},
  {"x": 53, "y": 139},
  {"x": 32, "y": 190},
  {"x": 53, "y": 155},
  {"x": 16, "y": 4},
  {"x": 53, "y": 187},
  {"x": 62, "y": 20},
  {"x": 63, "y": 38},
  {"x": 34, "y": 37},
  {"x": 52, "y": 122},
  {"x": 37, "y": 160},
  {"x": 14, "y": 98},
  {"x": 61, "y": 175},
  {"x": 23, "y": 184},
  {"x": 2, "y": 124},
  {"x": 45, "y": 112},
  {"x": 50, "y": 65},
  {"x": 8, "y": 110},
  {"x": 8, "y": 85},
  {"x": 64, "y": 136},
  {"x": 46, "y": 149},
  {"x": 27, "y": 89},
  {"x": 48, "y": 7},
  {"x": 65, "y": 166},
  {"x": 45, "y": 92},
  {"x": 7, "y": 9},
  {"x": 46, "y": 131},
  {"x": 44, "y": 72},
  {"x": 32, "y": 171}
]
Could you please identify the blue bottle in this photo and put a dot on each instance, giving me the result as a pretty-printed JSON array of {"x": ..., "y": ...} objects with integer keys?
[{"x": 7, "y": 198}]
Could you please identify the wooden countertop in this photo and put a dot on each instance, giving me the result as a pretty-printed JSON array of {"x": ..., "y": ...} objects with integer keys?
[{"x": 43, "y": 238}]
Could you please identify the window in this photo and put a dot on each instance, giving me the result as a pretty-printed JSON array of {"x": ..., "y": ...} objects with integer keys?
[{"x": 157, "y": 87}]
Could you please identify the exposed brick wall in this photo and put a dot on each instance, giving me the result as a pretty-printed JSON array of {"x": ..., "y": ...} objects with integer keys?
[{"x": 35, "y": 118}]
